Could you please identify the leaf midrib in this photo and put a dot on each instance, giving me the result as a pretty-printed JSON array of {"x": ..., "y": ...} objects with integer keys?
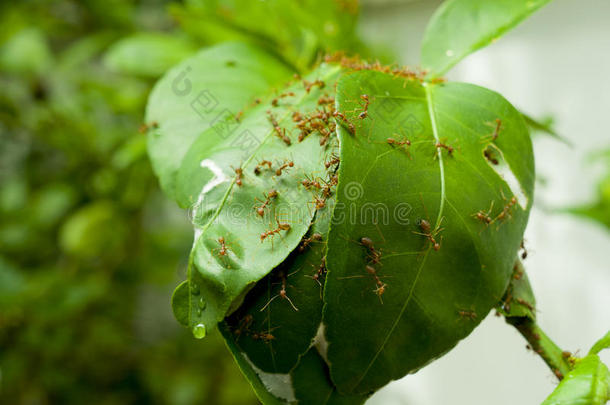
[{"x": 437, "y": 224}]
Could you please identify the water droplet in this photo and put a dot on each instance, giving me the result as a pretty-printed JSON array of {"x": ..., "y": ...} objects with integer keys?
[
  {"x": 199, "y": 331},
  {"x": 199, "y": 312},
  {"x": 195, "y": 289},
  {"x": 202, "y": 304}
]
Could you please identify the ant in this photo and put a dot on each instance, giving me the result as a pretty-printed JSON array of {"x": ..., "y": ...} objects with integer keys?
[
  {"x": 326, "y": 133},
  {"x": 325, "y": 99},
  {"x": 381, "y": 286},
  {"x": 145, "y": 127},
  {"x": 524, "y": 253},
  {"x": 223, "y": 246},
  {"x": 278, "y": 172},
  {"x": 448, "y": 148},
  {"x": 280, "y": 132},
  {"x": 489, "y": 155},
  {"x": 260, "y": 210},
  {"x": 307, "y": 183},
  {"x": 506, "y": 211},
  {"x": 393, "y": 142},
  {"x": 467, "y": 315},
  {"x": 258, "y": 168},
  {"x": 264, "y": 336},
  {"x": 426, "y": 230},
  {"x": 282, "y": 294},
  {"x": 308, "y": 85},
  {"x": 484, "y": 216},
  {"x": 272, "y": 232},
  {"x": 319, "y": 202},
  {"x": 320, "y": 272},
  {"x": 334, "y": 161},
  {"x": 244, "y": 326},
  {"x": 316, "y": 237},
  {"x": 239, "y": 173},
  {"x": 365, "y": 109},
  {"x": 497, "y": 129},
  {"x": 350, "y": 126},
  {"x": 238, "y": 116},
  {"x": 374, "y": 255}
]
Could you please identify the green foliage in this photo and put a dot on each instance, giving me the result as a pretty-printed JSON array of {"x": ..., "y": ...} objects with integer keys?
[
  {"x": 461, "y": 27},
  {"x": 147, "y": 54},
  {"x": 86, "y": 239},
  {"x": 468, "y": 259},
  {"x": 588, "y": 383},
  {"x": 462, "y": 152}
]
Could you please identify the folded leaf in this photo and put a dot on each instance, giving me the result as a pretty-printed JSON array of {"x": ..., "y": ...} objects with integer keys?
[{"x": 249, "y": 206}]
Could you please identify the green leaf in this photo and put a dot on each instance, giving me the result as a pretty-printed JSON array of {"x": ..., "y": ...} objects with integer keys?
[
  {"x": 225, "y": 202},
  {"x": 587, "y": 384},
  {"x": 297, "y": 30},
  {"x": 519, "y": 300},
  {"x": 147, "y": 54},
  {"x": 461, "y": 27},
  {"x": 275, "y": 332},
  {"x": 203, "y": 90},
  {"x": 307, "y": 384},
  {"x": 598, "y": 210},
  {"x": 422, "y": 295},
  {"x": 545, "y": 126}
]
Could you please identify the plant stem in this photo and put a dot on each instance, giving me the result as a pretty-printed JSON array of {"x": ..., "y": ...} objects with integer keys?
[{"x": 542, "y": 345}]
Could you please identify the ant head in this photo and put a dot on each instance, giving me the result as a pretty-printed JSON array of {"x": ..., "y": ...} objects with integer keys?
[{"x": 367, "y": 242}]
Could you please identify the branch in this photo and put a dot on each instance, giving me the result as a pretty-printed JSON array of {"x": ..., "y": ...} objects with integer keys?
[{"x": 557, "y": 360}]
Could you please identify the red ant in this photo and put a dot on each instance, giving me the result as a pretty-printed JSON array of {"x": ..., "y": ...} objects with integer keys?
[
  {"x": 320, "y": 272},
  {"x": 223, "y": 246},
  {"x": 244, "y": 326},
  {"x": 325, "y": 99},
  {"x": 282, "y": 294},
  {"x": 365, "y": 109},
  {"x": 350, "y": 126},
  {"x": 307, "y": 183},
  {"x": 238, "y": 116},
  {"x": 145, "y": 127},
  {"x": 316, "y": 237},
  {"x": 272, "y": 232},
  {"x": 374, "y": 255},
  {"x": 239, "y": 173},
  {"x": 278, "y": 172},
  {"x": 484, "y": 216},
  {"x": 334, "y": 161},
  {"x": 524, "y": 253},
  {"x": 260, "y": 210},
  {"x": 400, "y": 144},
  {"x": 381, "y": 286},
  {"x": 468, "y": 315},
  {"x": 320, "y": 203},
  {"x": 426, "y": 230},
  {"x": 496, "y": 132},
  {"x": 448, "y": 148},
  {"x": 308, "y": 85},
  {"x": 280, "y": 132},
  {"x": 264, "y": 336},
  {"x": 506, "y": 211},
  {"x": 259, "y": 167}
]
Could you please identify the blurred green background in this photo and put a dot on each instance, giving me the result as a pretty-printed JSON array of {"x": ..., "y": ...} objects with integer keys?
[{"x": 89, "y": 248}]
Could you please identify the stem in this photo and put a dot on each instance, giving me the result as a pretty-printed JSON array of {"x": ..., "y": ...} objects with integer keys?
[{"x": 542, "y": 345}]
